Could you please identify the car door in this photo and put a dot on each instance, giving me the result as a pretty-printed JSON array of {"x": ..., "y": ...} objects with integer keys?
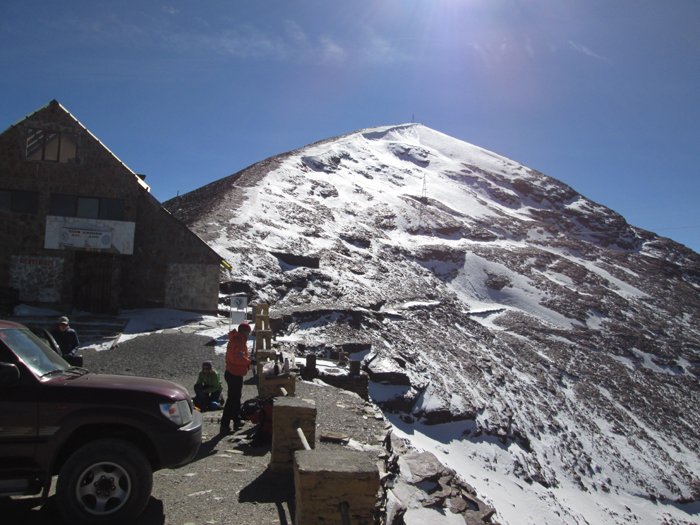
[{"x": 19, "y": 412}]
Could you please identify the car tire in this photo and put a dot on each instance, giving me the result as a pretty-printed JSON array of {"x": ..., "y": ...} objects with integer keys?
[{"x": 107, "y": 481}]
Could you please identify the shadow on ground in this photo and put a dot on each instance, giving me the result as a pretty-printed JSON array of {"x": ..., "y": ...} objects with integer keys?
[
  {"x": 29, "y": 511},
  {"x": 245, "y": 442},
  {"x": 272, "y": 487}
]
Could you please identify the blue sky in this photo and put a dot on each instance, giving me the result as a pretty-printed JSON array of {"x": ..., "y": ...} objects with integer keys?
[{"x": 602, "y": 95}]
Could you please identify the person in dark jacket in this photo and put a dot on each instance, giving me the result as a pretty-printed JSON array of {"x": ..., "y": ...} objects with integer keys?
[
  {"x": 237, "y": 366},
  {"x": 65, "y": 336}
]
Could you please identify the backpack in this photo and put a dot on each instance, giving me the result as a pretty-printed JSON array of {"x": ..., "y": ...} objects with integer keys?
[
  {"x": 251, "y": 408},
  {"x": 259, "y": 411}
]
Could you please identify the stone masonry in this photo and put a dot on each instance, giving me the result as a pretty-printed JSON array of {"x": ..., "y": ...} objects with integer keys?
[{"x": 325, "y": 479}]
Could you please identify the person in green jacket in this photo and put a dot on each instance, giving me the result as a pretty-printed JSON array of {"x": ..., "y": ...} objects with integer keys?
[{"x": 208, "y": 388}]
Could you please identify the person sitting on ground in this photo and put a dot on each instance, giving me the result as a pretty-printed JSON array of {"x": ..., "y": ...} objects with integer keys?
[
  {"x": 65, "y": 337},
  {"x": 237, "y": 366},
  {"x": 208, "y": 388}
]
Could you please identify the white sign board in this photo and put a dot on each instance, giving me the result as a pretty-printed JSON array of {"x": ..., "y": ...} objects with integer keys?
[
  {"x": 81, "y": 238},
  {"x": 239, "y": 310},
  {"x": 73, "y": 232},
  {"x": 239, "y": 303}
]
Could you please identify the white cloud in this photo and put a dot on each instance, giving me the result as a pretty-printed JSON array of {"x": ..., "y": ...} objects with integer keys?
[
  {"x": 290, "y": 41},
  {"x": 294, "y": 32},
  {"x": 583, "y": 49},
  {"x": 373, "y": 48},
  {"x": 331, "y": 51},
  {"x": 503, "y": 50},
  {"x": 247, "y": 42},
  {"x": 379, "y": 50}
]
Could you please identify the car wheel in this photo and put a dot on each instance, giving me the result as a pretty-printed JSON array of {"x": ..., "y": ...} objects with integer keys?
[{"x": 107, "y": 481}]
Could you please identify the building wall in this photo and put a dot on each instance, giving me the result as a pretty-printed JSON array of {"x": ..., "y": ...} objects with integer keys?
[
  {"x": 38, "y": 279},
  {"x": 170, "y": 268},
  {"x": 188, "y": 286},
  {"x": 146, "y": 258}
]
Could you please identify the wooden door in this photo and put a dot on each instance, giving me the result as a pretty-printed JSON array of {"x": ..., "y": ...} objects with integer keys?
[{"x": 96, "y": 289}]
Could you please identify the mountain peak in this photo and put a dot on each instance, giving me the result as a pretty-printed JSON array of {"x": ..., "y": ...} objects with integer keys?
[{"x": 499, "y": 300}]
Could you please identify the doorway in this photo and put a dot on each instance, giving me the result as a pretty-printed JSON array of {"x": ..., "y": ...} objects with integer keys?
[{"x": 96, "y": 279}]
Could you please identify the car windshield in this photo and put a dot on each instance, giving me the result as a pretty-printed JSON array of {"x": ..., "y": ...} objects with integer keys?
[
  {"x": 33, "y": 351},
  {"x": 45, "y": 337}
]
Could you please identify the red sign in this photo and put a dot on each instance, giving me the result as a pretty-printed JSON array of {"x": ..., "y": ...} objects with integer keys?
[{"x": 36, "y": 261}]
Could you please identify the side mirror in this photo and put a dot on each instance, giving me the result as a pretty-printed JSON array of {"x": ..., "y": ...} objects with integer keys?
[{"x": 9, "y": 374}]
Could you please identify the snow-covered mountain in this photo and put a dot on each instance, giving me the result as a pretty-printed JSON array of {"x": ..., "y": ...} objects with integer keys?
[{"x": 536, "y": 342}]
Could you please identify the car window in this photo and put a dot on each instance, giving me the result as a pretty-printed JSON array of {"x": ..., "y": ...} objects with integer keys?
[
  {"x": 32, "y": 351},
  {"x": 45, "y": 338},
  {"x": 6, "y": 356}
]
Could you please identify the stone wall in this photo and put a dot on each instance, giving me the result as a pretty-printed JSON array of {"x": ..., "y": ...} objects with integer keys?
[
  {"x": 164, "y": 250},
  {"x": 189, "y": 286},
  {"x": 355, "y": 383},
  {"x": 38, "y": 279},
  {"x": 358, "y": 383}
]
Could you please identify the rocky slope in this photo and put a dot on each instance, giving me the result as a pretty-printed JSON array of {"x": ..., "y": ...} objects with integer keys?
[{"x": 483, "y": 292}]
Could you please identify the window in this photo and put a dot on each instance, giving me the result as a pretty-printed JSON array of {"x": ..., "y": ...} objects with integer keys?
[
  {"x": 87, "y": 207},
  {"x": 53, "y": 146},
  {"x": 5, "y": 200},
  {"x": 63, "y": 205},
  {"x": 112, "y": 209},
  {"x": 19, "y": 201}
]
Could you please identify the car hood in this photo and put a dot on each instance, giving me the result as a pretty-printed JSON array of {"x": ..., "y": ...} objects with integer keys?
[{"x": 133, "y": 383}]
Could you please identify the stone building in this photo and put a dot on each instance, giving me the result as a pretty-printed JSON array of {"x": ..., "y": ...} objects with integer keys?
[{"x": 80, "y": 230}]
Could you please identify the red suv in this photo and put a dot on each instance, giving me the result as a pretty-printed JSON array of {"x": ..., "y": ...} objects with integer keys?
[{"x": 103, "y": 435}]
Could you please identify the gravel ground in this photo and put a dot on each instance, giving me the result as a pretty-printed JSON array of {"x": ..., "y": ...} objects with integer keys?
[{"x": 228, "y": 481}]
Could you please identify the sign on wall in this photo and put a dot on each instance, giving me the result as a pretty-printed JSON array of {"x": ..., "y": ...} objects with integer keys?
[
  {"x": 95, "y": 234},
  {"x": 81, "y": 238}
]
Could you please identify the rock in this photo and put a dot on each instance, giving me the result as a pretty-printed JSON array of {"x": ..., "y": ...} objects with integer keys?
[
  {"x": 424, "y": 466},
  {"x": 334, "y": 437},
  {"x": 409, "y": 495},
  {"x": 395, "y": 509},
  {"x": 457, "y": 505},
  {"x": 431, "y": 516},
  {"x": 387, "y": 371}
]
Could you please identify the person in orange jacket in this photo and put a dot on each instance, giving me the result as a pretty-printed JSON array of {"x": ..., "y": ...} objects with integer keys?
[{"x": 237, "y": 366}]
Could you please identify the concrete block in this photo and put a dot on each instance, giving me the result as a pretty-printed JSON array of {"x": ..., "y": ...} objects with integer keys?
[
  {"x": 324, "y": 479},
  {"x": 288, "y": 413},
  {"x": 269, "y": 386}
]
